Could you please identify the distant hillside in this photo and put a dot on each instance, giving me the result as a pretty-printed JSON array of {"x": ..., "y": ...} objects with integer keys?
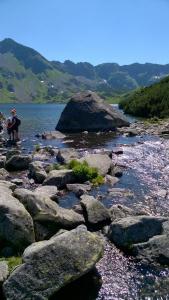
[
  {"x": 27, "y": 76},
  {"x": 152, "y": 101}
]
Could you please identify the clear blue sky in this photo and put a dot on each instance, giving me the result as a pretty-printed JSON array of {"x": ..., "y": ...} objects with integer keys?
[{"x": 122, "y": 31}]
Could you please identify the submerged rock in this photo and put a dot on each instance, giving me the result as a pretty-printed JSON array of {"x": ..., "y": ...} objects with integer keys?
[
  {"x": 86, "y": 111},
  {"x": 50, "y": 265}
]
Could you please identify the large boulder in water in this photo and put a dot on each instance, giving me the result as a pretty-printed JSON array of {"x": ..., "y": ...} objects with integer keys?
[{"x": 87, "y": 111}]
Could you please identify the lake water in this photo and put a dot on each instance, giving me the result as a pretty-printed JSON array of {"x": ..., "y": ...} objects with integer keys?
[{"x": 146, "y": 178}]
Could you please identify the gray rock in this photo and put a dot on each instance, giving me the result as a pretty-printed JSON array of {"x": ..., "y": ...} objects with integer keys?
[
  {"x": 116, "y": 171},
  {"x": 79, "y": 189},
  {"x": 132, "y": 230},
  {"x": 4, "y": 272},
  {"x": 44, "y": 210},
  {"x": 50, "y": 265},
  {"x": 49, "y": 191},
  {"x": 53, "y": 135},
  {"x": 111, "y": 180},
  {"x": 95, "y": 213},
  {"x": 37, "y": 172},
  {"x": 59, "y": 178},
  {"x": 18, "y": 162},
  {"x": 100, "y": 161},
  {"x": 17, "y": 181},
  {"x": 3, "y": 174},
  {"x": 12, "y": 152},
  {"x": 16, "y": 225},
  {"x": 86, "y": 111},
  {"x": 64, "y": 156},
  {"x": 119, "y": 211},
  {"x": 155, "y": 250}
]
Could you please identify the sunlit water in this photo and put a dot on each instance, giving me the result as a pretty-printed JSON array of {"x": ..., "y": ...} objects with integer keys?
[{"x": 146, "y": 176}]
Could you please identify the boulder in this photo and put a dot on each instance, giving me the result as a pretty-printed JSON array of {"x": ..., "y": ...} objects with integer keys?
[
  {"x": 18, "y": 162},
  {"x": 17, "y": 181},
  {"x": 119, "y": 211},
  {"x": 37, "y": 172},
  {"x": 16, "y": 226},
  {"x": 49, "y": 191},
  {"x": 79, "y": 189},
  {"x": 155, "y": 249},
  {"x": 4, "y": 272},
  {"x": 59, "y": 178},
  {"x": 95, "y": 213},
  {"x": 100, "y": 161},
  {"x": 86, "y": 111},
  {"x": 132, "y": 230},
  {"x": 44, "y": 210},
  {"x": 50, "y": 265},
  {"x": 64, "y": 156}
]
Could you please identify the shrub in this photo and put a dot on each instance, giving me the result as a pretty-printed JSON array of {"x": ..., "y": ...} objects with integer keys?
[
  {"x": 83, "y": 172},
  {"x": 37, "y": 148}
]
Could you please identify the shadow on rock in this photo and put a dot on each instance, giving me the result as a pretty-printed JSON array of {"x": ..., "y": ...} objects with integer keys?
[{"x": 85, "y": 288}]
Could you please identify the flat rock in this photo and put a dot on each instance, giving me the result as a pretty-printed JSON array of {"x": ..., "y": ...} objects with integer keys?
[
  {"x": 79, "y": 189},
  {"x": 95, "y": 213},
  {"x": 111, "y": 180},
  {"x": 86, "y": 111},
  {"x": 59, "y": 178},
  {"x": 50, "y": 265},
  {"x": 49, "y": 191},
  {"x": 53, "y": 135},
  {"x": 155, "y": 250},
  {"x": 18, "y": 163},
  {"x": 132, "y": 230}
]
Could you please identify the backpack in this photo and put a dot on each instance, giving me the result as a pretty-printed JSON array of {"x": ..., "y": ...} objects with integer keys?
[{"x": 18, "y": 121}]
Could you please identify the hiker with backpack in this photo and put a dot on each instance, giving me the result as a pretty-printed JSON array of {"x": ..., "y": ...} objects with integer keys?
[{"x": 14, "y": 126}]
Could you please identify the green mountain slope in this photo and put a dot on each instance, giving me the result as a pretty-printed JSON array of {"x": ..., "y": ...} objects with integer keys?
[
  {"x": 27, "y": 76},
  {"x": 152, "y": 101}
]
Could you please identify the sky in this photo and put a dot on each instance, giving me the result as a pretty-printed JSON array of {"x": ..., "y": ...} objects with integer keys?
[{"x": 96, "y": 31}]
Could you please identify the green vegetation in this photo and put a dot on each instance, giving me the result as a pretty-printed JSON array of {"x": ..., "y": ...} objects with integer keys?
[
  {"x": 37, "y": 148},
  {"x": 13, "y": 262},
  {"x": 149, "y": 102},
  {"x": 26, "y": 76},
  {"x": 83, "y": 172}
]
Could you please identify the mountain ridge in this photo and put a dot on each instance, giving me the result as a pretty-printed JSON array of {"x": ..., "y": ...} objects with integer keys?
[{"x": 27, "y": 76}]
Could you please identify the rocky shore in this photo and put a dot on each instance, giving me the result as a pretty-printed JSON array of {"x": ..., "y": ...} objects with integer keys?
[{"x": 51, "y": 246}]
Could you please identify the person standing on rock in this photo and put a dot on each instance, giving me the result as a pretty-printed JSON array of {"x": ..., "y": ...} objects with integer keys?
[{"x": 15, "y": 125}]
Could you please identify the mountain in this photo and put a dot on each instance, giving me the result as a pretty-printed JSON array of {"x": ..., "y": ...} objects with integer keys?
[
  {"x": 27, "y": 76},
  {"x": 152, "y": 101}
]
